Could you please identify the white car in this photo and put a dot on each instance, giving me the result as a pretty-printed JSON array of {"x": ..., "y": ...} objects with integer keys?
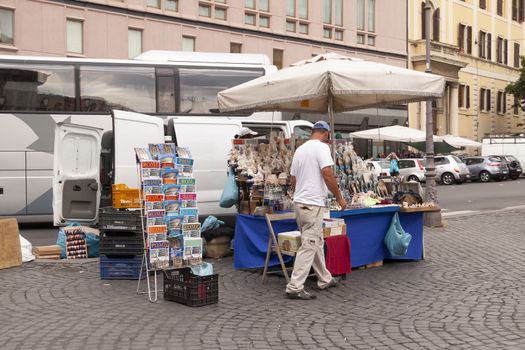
[{"x": 381, "y": 168}]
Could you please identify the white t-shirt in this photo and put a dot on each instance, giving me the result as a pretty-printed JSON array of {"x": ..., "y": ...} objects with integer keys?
[{"x": 308, "y": 161}]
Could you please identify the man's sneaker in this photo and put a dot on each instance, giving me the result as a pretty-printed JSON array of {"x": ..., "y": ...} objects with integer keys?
[
  {"x": 332, "y": 283},
  {"x": 303, "y": 295}
]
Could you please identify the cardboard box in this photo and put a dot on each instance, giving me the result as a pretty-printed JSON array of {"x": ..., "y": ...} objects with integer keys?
[
  {"x": 289, "y": 241},
  {"x": 334, "y": 231}
]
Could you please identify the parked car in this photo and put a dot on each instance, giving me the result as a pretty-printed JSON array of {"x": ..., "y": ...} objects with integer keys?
[
  {"x": 412, "y": 169},
  {"x": 450, "y": 169},
  {"x": 485, "y": 168},
  {"x": 381, "y": 168},
  {"x": 514, "y": 166}
]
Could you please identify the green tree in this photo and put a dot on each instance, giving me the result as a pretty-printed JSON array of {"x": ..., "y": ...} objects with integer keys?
[{"x": 518, "y": 87}]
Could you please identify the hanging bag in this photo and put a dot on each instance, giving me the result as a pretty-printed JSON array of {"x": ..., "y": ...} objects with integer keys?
[
  {"x": 396, "y": 239},
  {"x": 230, "y": 193}
]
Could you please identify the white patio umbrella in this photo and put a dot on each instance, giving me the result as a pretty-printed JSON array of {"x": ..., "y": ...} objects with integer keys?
[
  {"x": 331, "y": 83},
  {"x": 394, "y": 133},
  {"x": 457, "y": 141}
]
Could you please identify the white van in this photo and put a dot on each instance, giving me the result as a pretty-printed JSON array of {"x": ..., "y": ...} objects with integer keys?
[{"x": 77, "y": 172}]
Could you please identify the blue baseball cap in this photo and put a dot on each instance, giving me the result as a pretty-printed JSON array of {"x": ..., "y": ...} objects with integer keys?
[{"x": 321, "y": 124}]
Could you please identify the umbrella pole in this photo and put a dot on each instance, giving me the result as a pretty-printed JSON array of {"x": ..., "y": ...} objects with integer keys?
[{"x": 332, "y": 125}]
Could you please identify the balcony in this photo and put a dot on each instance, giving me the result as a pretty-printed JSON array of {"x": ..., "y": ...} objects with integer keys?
[{"x": 446, "y": 59}]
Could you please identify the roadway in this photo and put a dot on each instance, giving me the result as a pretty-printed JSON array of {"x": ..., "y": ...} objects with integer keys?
[{"x": 475, "y": 196}]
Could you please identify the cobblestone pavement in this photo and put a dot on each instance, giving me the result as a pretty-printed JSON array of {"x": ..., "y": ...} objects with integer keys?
[{"x": 469, "y": 293}]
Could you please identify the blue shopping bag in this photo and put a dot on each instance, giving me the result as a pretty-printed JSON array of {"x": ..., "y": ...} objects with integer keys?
[
  {"x": 396, "y": 239},
  {"x": 230, "y": 193}
]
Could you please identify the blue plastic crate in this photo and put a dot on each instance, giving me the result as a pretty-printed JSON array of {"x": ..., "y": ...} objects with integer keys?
[{"x": 121, "y": 269}]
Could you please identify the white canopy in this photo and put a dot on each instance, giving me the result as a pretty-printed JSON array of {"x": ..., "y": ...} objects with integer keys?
[
  {"x": 348, "y": 83},
  {"x": 457, "y": 141},
  {"x": 394, "y": 133}
]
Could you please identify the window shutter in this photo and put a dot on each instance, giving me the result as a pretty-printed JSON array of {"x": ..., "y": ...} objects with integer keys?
[
  {"x": 467, "y": 94},
  {"x": 423, "y": 21},
  {"x": 435, "y": 33},
  {"x": 516, "y": 55},
  {"x": 505, "y": 51},
  {"x": 488, "y": 100},
  {"x": 461, "y": 28},
  {"x": 520, "y": 11},
  {"x": 514, "y": 10},
  {"x": 489, "y": 46},
  {"x": 480, "y": 44},
  {"x": 504, "y": 103},
  {"x": 469, "y": 40},
  {"x": 482, "y": 99}
]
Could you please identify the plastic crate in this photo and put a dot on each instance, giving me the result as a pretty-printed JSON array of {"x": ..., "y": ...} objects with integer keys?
[
  {"x": 121, "y": 269},
  {"x": 111, "y": 219},
  {"x": 124, "y": 197},
  {"x": 182, "y": 286},
  {"x": 122, "y": 245}
]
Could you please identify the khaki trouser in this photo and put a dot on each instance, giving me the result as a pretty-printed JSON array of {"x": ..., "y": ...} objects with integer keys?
[{"x": 311, "y": 252}]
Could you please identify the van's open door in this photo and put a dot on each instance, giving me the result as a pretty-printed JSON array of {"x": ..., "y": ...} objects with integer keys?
[
  {"x": 76, "y": 183},
  {"x": 132, "y": 130}
]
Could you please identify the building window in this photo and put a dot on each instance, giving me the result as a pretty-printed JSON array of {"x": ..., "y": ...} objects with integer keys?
[
  {"x": 188, "y": 43},
  {"x": 502, "y": 51},
  {"x": 220, "y": 13},
  {"x": 154, "y": 3},
  {"x": 235, "y": 47},
  {"x": 303, "y": 28},
  {"x": 172, "y": 5},
  {"x": 365, "y": 11},
  {"x": 290, "y": 26},
  {"x": 254, "y": 8},
  {"x": 134, "y": 42},
  {"x": 264, "y": 21},
  {"x": 465, "y": 39},
  {"x": 518, "y": 10},
  {"x": 6, "y": 26},
  {"x": 205, "y": 10},
  {"x": 338, "y": 34},
  {"x": 516, "y": 106},
  {"x": 499, "y": 7},
  {"x": 74, "y": 36},
  {"x": 435, "y": 24},
  {"x": 464, "y": 96},
  {"x": 485, "y": 45},
  {"x": 278, "y": 58},
  {"x": 249, "y": 18},
  {"x": 516, "y": 55},
  {"x": 294, "y": 7},
  {"x": 502, "y": 102},
  {"x": 327, "y": 32},
  {"x": 483, "y": 4},
  {"x": 484, "y": 100}
]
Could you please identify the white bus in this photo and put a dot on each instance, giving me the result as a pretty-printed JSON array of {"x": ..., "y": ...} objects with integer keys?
[{"x": 38, "y": 92}]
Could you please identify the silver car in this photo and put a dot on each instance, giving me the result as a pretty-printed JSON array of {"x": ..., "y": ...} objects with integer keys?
[
  {"x": 450, "y": 169},
  {"x": 412, "y": 169},
  {"x": 486, "y": 168}
]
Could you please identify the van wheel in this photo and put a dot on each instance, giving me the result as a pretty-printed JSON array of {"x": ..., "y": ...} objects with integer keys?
[
  {"x": 413, "y": 178},
  {"x": 514, "y": 176},
  {"x": 484, "y": 176},
  {"x": 447, "y": 179}
]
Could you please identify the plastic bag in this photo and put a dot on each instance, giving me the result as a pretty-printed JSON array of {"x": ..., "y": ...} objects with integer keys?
[
  {"x": 211, "y": 223},
  {"x": 27, "y": 250},
  {"x": 204, "y": 269},
  {"x": 230, "y": 194},
  {"x": 396, "y": 239},
  {"x": 394, "y": 167}
]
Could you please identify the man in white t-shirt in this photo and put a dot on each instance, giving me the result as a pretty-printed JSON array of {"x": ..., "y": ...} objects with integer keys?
[{"x": 311, "y": 175}]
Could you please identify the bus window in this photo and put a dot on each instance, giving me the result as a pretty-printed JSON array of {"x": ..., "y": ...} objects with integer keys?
[
  {"x": 165, "y": 91},
  {"x": 199, "y": 87},
  {"x": 126, "y": 88},
  {"x": 37, "y": 87}
]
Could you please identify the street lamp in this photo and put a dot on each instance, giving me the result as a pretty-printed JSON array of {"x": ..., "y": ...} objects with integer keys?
[{"x": 431, "y": 218}]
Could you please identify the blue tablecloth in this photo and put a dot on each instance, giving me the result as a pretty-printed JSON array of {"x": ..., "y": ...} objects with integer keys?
[{"x": 366, "y": 229}]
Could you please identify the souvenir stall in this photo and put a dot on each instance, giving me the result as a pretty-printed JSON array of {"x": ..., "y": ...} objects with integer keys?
[
  {"x": 262, "y": 168},
  {"x": 329, "y": 83}
]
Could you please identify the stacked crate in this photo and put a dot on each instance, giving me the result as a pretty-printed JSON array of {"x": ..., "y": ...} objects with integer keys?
[{"x": 121, "y": 244}]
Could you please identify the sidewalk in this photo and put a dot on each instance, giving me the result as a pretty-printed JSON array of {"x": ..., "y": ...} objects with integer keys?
[{"x": 469, "y": 293}]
